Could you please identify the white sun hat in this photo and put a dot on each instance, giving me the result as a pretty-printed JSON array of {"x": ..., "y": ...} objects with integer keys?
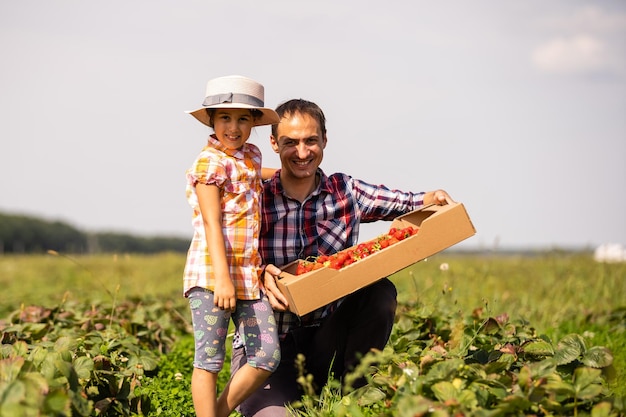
[{"x": 235, "y": 92}]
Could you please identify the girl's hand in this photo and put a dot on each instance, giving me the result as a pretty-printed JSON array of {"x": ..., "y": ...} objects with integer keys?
[{"x": 224, "y": 294}]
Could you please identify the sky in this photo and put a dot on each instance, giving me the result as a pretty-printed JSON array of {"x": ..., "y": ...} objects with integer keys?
[{"x": 516, "y": 108}]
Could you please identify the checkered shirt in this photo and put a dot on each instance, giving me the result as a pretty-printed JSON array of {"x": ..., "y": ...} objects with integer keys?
[
  {"x": 325, "y": 223},
  {"x": 237, "y": 174}
]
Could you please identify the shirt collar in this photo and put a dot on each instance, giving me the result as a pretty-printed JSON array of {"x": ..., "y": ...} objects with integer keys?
[
  {"x": 324, "y": 186},
  {"x": 236, "y": 153}
]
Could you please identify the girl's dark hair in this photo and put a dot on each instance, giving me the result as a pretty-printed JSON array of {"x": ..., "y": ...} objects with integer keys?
[
  {"x": 301, "y": 106},
  {"x": 256, "y": 114}
]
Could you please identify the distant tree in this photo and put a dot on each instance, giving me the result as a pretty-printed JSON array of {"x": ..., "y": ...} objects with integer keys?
[
  {"x": 125, "y": 243},
  {"x": 27, "y": 234}
]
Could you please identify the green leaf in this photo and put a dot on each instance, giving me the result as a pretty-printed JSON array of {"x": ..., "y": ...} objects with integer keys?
[
  {"x": 543, "y": 368},
  {"x": 83, "y": 366},
  {"x": 602, "y": 409},
  {"x": 20, "y": 348},
  {"x": 468, "y": 399},
  {"x": 584, "y": 377},
  {"x": 411, "y": 406},
  {"x": 38, "y": 355},
  {"x": 556, "y": 385},
  {"x": 64, "y": 344},
  {"x": 490, "y": 326},
  {"x": 524, "y": 378},
  {"x": 35, "y": 384},
  {"x": 444, "y": 391},
  {"x": 370, "y": 395},
  {"x": 570, "y": 348},
  {"x": 589, "y": 392},
  {"x": 147, "y": 361},
  {"x": 444, "y": 369},
  {"x": 538, "y": 348},
  {"x": 36, "y": 329},
  {"x": 10, "y": 368},
  {"x": 58, "y": 403},
  {"x": 507, "y": 359},
  {"x": 513, "y": 405},
  {"x": 598, "y": 357},
  {"x": 14, "y": 393}
]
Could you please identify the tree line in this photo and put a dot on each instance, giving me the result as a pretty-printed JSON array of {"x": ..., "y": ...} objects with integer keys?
[{"x": 27, "y": 234}]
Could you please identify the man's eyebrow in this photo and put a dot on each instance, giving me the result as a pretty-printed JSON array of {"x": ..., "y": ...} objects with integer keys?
[{"x": 307, "y": 138}]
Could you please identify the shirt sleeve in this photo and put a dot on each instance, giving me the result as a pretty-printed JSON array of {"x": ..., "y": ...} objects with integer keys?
[
  {"x": 378, "y": 202},
  {"x": 207, "y": 169}
]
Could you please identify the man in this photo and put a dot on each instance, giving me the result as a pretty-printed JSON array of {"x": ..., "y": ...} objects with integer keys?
[{"x": 306, "y": 213}]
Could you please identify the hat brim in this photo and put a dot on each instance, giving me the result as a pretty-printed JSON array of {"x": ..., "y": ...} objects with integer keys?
[{"x": 269, "y": 116}]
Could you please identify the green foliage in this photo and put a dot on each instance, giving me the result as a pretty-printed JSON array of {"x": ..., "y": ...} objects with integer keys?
[
  {"x": 109, "y": 335},
  {"x": 83, "y": 360},
  {"x": 478, "y": 366},
  {"x": 169, "y": 391}
]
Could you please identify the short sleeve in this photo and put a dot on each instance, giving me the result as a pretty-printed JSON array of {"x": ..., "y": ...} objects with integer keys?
[{"x": 207, "y": 169}]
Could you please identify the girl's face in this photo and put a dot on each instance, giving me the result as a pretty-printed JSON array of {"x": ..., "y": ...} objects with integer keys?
[{"x": 232, "y": 126}]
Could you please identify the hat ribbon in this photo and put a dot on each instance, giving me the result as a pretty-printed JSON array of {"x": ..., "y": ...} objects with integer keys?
[{"x": 232, "y": 97}]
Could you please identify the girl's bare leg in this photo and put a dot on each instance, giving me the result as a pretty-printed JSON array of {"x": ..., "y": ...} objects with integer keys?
[
  {"x": 245, "y": 381},
  {"x": 204, "y": 392}
]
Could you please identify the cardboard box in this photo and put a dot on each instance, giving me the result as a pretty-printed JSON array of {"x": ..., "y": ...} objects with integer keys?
[{"x": 439, "y": 228}]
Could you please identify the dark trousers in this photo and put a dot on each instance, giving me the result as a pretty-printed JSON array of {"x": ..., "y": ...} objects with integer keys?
[{"x": 362, "y": 322}]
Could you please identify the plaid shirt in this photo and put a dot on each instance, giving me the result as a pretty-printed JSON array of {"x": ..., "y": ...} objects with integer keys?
[
  {"x": 325, "y": 223},
  {"x": 238, "y": 175}
]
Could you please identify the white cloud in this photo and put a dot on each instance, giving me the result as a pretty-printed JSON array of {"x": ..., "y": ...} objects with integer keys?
[
  {"x": 591, "y": 18},
  {"x": 576, "y": 54},
  {"x": 589, "y": 40}
]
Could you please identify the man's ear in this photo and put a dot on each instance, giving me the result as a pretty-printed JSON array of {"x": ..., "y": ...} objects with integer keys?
[
  {"x": 274, "y": 143},
  {"x": 325, "y": 141}
]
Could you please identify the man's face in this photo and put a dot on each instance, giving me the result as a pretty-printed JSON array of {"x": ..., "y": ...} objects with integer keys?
[{"x": 300, "y": 144}]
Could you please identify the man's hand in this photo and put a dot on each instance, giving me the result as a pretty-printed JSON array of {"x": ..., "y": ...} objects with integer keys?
[
  {"x": 438, "y": 197},
  {"x": 276, "y": 298}
]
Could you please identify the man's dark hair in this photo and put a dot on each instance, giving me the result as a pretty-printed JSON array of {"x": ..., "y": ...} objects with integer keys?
[{"x": 301, "y": 106}]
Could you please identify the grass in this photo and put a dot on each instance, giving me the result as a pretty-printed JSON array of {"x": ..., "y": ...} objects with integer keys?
[{"x": 48, "y": 279}]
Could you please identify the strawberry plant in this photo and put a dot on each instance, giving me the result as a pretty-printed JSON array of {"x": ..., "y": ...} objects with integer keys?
[
  {"x": 83, "y": 360},
  {"x": 477, "y": 366},
  {"x": 445, "y": 356}
]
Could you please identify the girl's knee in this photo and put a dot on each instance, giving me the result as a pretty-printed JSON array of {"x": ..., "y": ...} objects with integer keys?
[{"x": 265, "y": 361}]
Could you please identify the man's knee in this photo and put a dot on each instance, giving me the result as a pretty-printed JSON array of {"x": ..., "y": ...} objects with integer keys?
[{"x": 383, "y": 296}]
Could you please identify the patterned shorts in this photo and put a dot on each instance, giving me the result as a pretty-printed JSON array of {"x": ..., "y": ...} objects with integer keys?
[{"x": 254, "y": 320}]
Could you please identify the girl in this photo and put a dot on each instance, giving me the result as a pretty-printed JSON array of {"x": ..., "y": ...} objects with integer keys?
[{"x": 221, "y": 278}]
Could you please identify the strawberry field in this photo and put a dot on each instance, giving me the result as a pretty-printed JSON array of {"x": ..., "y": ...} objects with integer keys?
[{"x": 481, "y": 335}]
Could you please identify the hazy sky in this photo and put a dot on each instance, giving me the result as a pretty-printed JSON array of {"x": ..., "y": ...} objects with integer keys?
[{"x": 516, "y": 108}]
